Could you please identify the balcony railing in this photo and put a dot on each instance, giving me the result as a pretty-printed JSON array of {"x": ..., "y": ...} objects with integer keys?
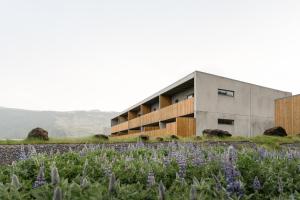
[{"x": 182, "y": 108}]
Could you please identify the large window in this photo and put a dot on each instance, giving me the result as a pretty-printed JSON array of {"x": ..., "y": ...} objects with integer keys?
[
  {"x": 224, "y": 92},
  {"x": 226, "y": 121}
]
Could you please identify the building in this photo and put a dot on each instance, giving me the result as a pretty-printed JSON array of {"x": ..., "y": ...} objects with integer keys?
[
  {"x": 201, "y": 101},
  {"x": 287, "y": 114}
]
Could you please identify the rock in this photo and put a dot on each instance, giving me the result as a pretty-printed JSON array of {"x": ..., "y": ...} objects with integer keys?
[
  {"x": 38, "y": 133},
  {"x": 276, "y": 131},
  {"x": 216, "y": 133}
]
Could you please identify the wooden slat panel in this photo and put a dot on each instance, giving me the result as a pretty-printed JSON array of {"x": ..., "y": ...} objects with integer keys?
[
  {"x": 185, "y": 107},
  {"x": 164, "y": 101},
  {"x": 296, "y": 114},
  {"x": 284, "y": 114},
  {"x": 145, "y": 109},
  {"x": 131, "y": 115},
  {"x": 134, "y": 123},
  {"x": 151, "y": 128},
  {"x": 186, "y": 126},
  {"x": 168, "y": 112},
  {"x": 120, "y": 127},
  {"x": 150, "y": 118},
  {"x": 172, "y": 128}
]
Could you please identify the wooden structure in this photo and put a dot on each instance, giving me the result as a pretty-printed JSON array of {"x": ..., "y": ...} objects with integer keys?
[
  {"x": 177, "y": 118},
  {"x": 287, "y": 114}
]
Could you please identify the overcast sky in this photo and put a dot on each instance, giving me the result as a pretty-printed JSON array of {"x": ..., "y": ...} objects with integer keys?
[{"x": 108, "y": 55}]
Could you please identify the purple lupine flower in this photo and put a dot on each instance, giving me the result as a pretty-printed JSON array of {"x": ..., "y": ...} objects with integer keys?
[
  {"x": 22, "y": 155},
  {"x": 150, "y": 179},
  {"x": 161, "y": 191},
  {"x": 256, "y": 184},
  {"x": 218, "y": 183},
  {"x": 193, "y": 193},
  {"x": 231, "y": 154},
  {"x": 181, "y": 161},
  {"x": 40, "y": 180},
  {"x": 232, "y": 179}
]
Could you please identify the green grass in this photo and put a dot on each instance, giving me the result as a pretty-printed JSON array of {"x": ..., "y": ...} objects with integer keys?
[{"x": 267, "y": 141}]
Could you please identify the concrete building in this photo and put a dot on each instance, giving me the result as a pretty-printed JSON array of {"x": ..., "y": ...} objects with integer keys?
[{"x": 201, "y": 101}]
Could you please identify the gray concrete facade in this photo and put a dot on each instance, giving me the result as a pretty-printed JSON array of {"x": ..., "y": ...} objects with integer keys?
[{"x": 251, "y": 108}]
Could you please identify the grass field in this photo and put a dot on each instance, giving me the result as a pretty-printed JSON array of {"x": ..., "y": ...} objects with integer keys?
[{"x": 267, "y": 141}]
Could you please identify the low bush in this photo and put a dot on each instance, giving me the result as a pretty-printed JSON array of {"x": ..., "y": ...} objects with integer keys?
[
  {"x": 144, "y": 137},
  {"x": 160, "y": 139},
  {"x": 174, "y": 137},
  {"x": 101, "y": 137}
]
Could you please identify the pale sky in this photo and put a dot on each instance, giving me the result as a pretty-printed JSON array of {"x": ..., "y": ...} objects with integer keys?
[{"x": 109, "y": 55}]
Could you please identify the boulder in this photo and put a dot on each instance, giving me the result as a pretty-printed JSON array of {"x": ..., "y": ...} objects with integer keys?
[
  {"x": 38, "y": 133},
  {"x": 276, "y": 131},
  {"x": 216, "y": 133}
]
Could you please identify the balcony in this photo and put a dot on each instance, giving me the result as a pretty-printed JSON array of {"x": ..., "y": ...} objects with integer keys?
[
  {"x": 173, "y": 111},
  {"x": 183, "y": 126}
]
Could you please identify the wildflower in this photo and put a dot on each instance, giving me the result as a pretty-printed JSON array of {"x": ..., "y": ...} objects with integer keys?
[
  {"x": 256, "y": 184},
  {"x": 231, "y": 154},
  {"x": 193, "y": 193},
  {"x": 15, "y": 182},
  {"x": 31, "y": 151},
  {"x": 218, "y": 183},
  {"x": 40, "y": 180},
  {"x": 55, "y": 179},
  {"x": 57, "y": 194},
  {"x": 161, "y": 191},
  {"x": 22, "y": 155},
  {"x": 181, "y": 160},
  {"x": 112, "y": 184},
  {"x": 85, "y": 166},
  {"x": 84, "y": 183},
  {"x": 233, "y": 184},
  {"x": 280, "y": 185},
  {"x": 150, "y": 179}
]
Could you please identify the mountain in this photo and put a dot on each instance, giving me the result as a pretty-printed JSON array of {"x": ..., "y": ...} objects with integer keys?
[{"x": 16, "y": 123}]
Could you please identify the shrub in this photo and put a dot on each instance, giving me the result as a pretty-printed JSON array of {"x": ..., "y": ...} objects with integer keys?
[
  {"x": 102, "y": 137},
  {"x": 160, "y": 139},
  {"x": 174, "y": 137},
  {"x": 144, "y": 137}
]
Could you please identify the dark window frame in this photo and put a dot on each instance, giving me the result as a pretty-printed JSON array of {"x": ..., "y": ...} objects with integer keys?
[
  {"x": 227, "y": 93},
  {"x": 222, "y": 121}
]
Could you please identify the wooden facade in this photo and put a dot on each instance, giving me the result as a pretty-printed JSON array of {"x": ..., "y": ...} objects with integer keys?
[
  {"x": 183, "y": 126},
  {"x": 287, "y": 114},
  {"x": 177, "y": 112}
]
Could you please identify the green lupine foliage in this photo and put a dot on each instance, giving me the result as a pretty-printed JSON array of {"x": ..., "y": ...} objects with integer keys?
[{"x": 85, "y": 176}]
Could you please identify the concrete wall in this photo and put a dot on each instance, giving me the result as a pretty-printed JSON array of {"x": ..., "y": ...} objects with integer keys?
[
  {"x": 182, "y": 95},
  {"x": 252, "y": 107}
]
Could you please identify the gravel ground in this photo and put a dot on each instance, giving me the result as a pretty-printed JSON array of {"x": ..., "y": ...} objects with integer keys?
[{"x": 10, "y": 153}]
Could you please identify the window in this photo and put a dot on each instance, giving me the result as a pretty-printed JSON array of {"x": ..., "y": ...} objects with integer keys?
[
  {"x": 228, "y": 93},
  {"x": 190, "y": 96},
  {"x": 226, "y": 121}
]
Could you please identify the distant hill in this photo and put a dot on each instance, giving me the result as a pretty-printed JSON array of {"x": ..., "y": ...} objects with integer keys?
[{"x": 16, "y": 123}]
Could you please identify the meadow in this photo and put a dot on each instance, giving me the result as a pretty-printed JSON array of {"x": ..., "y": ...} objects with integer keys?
[{"x": 171, "y": 170}]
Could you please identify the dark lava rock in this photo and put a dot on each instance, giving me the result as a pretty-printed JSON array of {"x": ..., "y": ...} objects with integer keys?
[
  {"x": 276, "y": 131},
  {"x": 216, "y": 133},
  {"x": 38, "y": 133}
]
